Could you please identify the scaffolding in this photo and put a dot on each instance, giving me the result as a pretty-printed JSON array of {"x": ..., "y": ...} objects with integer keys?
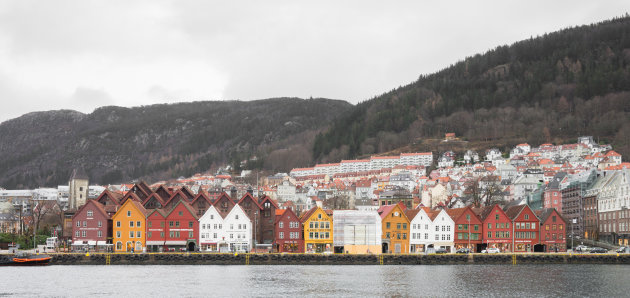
[{"x": 357, "y": 231}]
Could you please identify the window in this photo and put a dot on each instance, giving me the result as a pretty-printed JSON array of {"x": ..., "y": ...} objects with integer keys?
[
  {"x": 231, "y": 226},
  {"x": 117, "y": 234},
  {"x": 490, "y": 234},
  {"x": 84, "y": 223},
  {"x": 244, "y": 226},
  {"x": 546, "y": 227},
  {"x": 404, "y": 235},
  {"x": 526, "y": 216},
  {"x": 468, "y": 217},
  {"x": 149, "y": 234},
  {"x": 404, "y": 226},
  {"x": 215, "y": 235},
  {"x": 90, "y": 213},
  {"x": 177, "y": 223},
  {"x": 131, "y": 224},
  {"x": 311, "y": 236},
  {"x": 150, "y": 223},
  {"x": 131, "y": 234},
  {"x": 76, "y": 234},
  {"x": 236, "y": 216},
  {"x": 437, "y": 228},
  {"x": 397, "y": 235},
  {"x": 190, "y": 234},
  {"x": 281, "y": 235},
  {"x": 181, "y": 213},
  {"x": 496, "y": 216},
  {"x": 211, "y": 216},
  {"x": 476, "y": 227},
  {"x": 128, "y": 213},
  {"x": 426, "y": 236},
  {"x": 99, "y": 234},
  {"x": 526, "y": 224},
  {"x": 281, "y": 225},
  {"x": 78, "y": 223},
  {"x": 398, "y": 226},
  {"x": 190, "y": 224},
  {"x": 437, "y": 237},
  {"x": 138, "y": 224},
  {"x": 448, "y": 228},
  {"x": 387, "y": 235},
  {"x": 388, "y": 225},
  {"x": 489, "y": 226}
]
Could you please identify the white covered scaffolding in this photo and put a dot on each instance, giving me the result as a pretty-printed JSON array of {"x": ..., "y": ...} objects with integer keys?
[{"x": 355, "y": 227}]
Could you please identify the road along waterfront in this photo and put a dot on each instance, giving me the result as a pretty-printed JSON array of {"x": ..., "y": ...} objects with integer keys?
[{"x": 317, "y": 280}]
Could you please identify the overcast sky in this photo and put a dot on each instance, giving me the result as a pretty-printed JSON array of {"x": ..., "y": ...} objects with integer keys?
[{"x": 84, "y": 54}]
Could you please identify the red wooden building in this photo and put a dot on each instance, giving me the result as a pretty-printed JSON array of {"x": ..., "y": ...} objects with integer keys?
[
  {"x": 552, "y": 231},
  {"x": 497, "y": 228},
  {"x": 177, "y": 230},
  {"x": 92, "y": 227},
  {"x": 468, "y": 228},
  {"x": 524, "y": 228},
  {"x": 288, "y": 230}
]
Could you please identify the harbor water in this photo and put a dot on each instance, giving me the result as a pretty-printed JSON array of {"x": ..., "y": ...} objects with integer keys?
[{"x": 563, "y": 280}]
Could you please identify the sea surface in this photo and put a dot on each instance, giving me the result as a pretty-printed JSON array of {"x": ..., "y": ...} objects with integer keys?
[{"x": 317, "y": 281}]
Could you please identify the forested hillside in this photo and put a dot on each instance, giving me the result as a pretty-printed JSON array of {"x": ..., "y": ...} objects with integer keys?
[
  {"x": 550, "y": 88},
  {"x": 117, "y": 144}
]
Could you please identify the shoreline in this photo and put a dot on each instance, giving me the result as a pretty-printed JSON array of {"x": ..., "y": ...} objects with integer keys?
[{"x": 332, "y": 259}]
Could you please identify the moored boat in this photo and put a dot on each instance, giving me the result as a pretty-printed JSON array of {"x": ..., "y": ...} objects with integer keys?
[{"x": 25, "y": 259}]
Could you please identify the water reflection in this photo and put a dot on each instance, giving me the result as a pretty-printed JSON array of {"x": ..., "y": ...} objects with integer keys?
[{"x": 322, "y": 281}]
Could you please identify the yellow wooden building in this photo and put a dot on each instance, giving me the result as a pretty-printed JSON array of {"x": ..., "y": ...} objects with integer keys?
[
  {"x": 129, "y": 227},
  {"x": 395, "y": 228},
  {"x": 318, "y": 230}
]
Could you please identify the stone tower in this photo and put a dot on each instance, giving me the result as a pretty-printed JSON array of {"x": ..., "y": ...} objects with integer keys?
[{"x": 79, "y": 183}]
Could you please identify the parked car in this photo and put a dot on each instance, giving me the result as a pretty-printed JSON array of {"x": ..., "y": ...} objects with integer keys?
[
  {"x": 492, "y": 250},
  {"x": 598, "y": 250},
  {"x": 440, "y": 251},
  {"x": 463, "y": 251},
  {"x": 623, "y": 249},
  {"x": 581, "y": 248}
]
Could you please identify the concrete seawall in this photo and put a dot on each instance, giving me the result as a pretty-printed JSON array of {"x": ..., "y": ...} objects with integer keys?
[{"x": 332, "y": 259}]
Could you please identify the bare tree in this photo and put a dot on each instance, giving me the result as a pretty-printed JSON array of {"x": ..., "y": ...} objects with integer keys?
[
  {"x": 41, "y": 209},
  {"x": 473, "y": 191}
]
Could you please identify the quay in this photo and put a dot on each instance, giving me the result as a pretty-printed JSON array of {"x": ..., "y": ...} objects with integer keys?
[{"x": 332, "y": 259}]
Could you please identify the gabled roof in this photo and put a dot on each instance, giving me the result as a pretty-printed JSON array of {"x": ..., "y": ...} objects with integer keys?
[
  {"x": 130, "y": 195},
  {"x": 514, "y": 211},
  {"x": 308, "y": 214},
  {"x": 411, "y": 213},
  {"x": 153, "y": 196},
  {"x": 187, "y": 206},
  {"x": 250, "y": 197},
  {"x": 137, "y": 205},
  {"x": 159, "y": 211},
  {"x": 544, "y": 214},
  {"x": 115, "y": 197},
  {"x": 145, "y": 187},
  {"x": 383, "y": 211},
  {"x": 187, "y": 192},
  {"x": 98, "y": 206},
  {"x": 264, "y": 199},
  {"x": 201, "y": 196},
  {"x": 163, "y": 192}
]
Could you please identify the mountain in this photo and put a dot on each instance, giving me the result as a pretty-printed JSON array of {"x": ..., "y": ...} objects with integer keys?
[
  {"x": 551, "y": 88},
  {"x": 115, "y": 144}
]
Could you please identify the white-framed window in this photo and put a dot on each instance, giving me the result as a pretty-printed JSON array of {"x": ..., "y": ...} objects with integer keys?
[
  {"x": 131, "y": 234},
  {"x": 76, "y": 234},
  {"x": 138, "y": 234},
  {"x": 99, "y": 234},
  {"x": 90, "y": 213},
  {"x": 281, "y": 235},
  {"x": 84, "y": 223},
  {"x": 100, "y": 223},
  {"x": 128, "y": 213},
  {"x": 78, "y": 223},
  {"x": 118, "y": 224},
  {"x": 281, "y": 225},
  {"x": 83, "y": 234},
  {"x": 117, "y": 234}
]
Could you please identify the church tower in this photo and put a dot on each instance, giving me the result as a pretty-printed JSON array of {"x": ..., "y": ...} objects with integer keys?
[{"x": 79, "y": 183}]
